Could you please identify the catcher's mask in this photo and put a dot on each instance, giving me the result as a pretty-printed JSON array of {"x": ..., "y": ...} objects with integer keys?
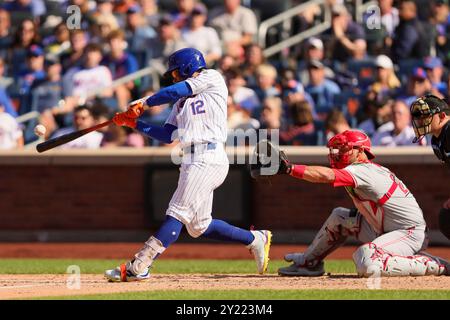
[
  {"x": 342, "y": 146},
  {"x": 422, "y": 112}
]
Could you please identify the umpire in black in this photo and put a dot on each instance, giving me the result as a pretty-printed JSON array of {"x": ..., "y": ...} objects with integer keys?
[{"x": 431, "y": 115}]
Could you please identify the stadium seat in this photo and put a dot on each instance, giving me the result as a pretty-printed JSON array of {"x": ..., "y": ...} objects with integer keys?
[{"x": 365, "y": 71}]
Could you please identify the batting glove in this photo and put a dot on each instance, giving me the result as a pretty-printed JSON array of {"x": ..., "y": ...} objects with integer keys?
[
  {"x": 121, "y": 119},
  {"x": 136, "y": 108}
]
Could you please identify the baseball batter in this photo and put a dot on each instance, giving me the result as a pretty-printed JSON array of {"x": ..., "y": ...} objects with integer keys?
[
  {"x": 199, "y": 120},
  {"x": 387, "y": 218},
  {"x": 431, "y": 115}
]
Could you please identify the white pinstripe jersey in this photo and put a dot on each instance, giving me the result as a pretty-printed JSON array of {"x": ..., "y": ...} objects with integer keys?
[
  {"x": 202, "y": 117},
  {"x": 383, "y": 199}
]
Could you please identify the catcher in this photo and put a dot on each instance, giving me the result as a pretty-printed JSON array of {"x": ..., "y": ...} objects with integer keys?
[
  {"x": 431, "y": 115},
  {"x": 387, "y": 218}
]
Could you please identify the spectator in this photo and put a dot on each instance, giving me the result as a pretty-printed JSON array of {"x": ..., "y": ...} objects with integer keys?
[
  {"x": 322, "y": 90},
  {"x": 254, "y": 57},
  {"x": 5, "y": 101},
  {"x": 266, "y": 76},
  {"x": 305, "y": 18},
  {"x": 183, "y": 12},
  {"x": 59, "y": 42},
  {"x": 243, "y": 96},
  {"x": 399, "y": 131},
  {"x": 441, "y": 20},
  {"x": 73, "y": 57},
  {"x": 314, "y": 50},
  {"x": 81, "y": 81},
  {"x": 122, "y": 6},
  {"x": 150, "y": 12},
  {"x": 389, "y": 17},
  {"x": 82, "y": 119},
  {"x": 11, "y": 136},
  {"x": 34, "y": 71},
  {"x": 435, "y": 71},
  {"x": 36, "y": 8},
  {"x": 236, "y": 51},
  {"x": 105, "y": 8},
  {"x": 378, "y": 109},
  {"x": 335, "y": 123},
  {"x": 102, "y": 26},
  {"x": 120, "y": 63},
  {"x": 227, "y": 63},
  {"x": 114, "y": 137},
  {"x": 386, "y": 82},
  {"x": 48, "y": 96},
  {"x": 418, "y": 86},
  {"x": 26, "y": 35},
  {"x": 411, "y": 39},
  {"x": 272, "y": 114},
  {"x": 293, "y": 91},
  {"x": 349, "y": 37},
  {"x": 138, "y": 32},
  {"x": 167, "y": 42},
  {"x": 6, "y": 38},
  {"x": 302, "y": 131},
  {"x": 239, "y": 118},
  {"x": 234, "y": 22},
  {"x": 203, "y": 38},
  {"x": 101, "y": 113}
]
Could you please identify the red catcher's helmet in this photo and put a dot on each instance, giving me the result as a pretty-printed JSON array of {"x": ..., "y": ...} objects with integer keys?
[{"x": 341, "y": 146}]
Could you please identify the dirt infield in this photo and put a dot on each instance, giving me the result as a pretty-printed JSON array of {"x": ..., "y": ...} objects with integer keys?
[
  {"x": 176, "y": 251},
  {"x": 29, "y": 286}
]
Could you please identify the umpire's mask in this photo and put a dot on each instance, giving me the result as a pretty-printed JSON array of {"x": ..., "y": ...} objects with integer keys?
[{"x": 422, "y": 112}]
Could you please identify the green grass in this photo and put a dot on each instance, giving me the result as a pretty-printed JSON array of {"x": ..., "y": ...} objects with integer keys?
[
  {"x": 88, "y": 266},
  {"x": 270, "y": 295}
]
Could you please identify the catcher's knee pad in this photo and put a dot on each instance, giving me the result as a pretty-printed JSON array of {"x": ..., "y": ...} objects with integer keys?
[
  {"x": 368, "y": 260},
  {"x": 346, "y": 219},
  {"x": 444, "y": 222}
]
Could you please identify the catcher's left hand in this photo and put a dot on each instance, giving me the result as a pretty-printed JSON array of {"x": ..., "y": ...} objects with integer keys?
[{"x": 268, "y": 160}]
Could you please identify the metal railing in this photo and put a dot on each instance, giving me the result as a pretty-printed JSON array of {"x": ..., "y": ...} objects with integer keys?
[
  {"x": 285, "y": 18},
  {"x": 150, "y": 70}
]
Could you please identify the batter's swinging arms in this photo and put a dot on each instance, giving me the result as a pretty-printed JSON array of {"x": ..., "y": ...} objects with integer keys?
[
  {"x": 387, "y": 218},
  {"x": 199, "y": 115}
]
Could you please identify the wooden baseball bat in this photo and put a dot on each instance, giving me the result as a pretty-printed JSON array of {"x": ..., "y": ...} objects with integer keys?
[{"x": 55, "y": 142}]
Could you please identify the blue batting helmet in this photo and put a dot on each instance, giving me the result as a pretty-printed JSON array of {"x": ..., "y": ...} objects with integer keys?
[{"x": 187, "y": 61}]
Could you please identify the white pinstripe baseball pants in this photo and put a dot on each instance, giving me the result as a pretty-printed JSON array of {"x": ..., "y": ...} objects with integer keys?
[{"x": 192, "y": 201}]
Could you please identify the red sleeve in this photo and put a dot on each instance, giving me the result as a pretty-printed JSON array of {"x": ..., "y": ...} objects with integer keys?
[{"x": 343, "y": 178}]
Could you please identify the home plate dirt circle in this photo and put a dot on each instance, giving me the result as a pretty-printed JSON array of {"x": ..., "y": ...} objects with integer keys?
[{"x": 41, "y": 285}]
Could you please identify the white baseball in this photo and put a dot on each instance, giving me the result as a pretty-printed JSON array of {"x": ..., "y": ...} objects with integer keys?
[{"x": 40, "y": 130}]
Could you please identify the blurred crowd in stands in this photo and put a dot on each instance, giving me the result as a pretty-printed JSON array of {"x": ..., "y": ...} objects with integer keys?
[{"x": 354, "y": 75}]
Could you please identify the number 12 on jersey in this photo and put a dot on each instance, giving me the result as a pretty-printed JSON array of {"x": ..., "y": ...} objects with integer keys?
[{"x": 198, "y": 107}]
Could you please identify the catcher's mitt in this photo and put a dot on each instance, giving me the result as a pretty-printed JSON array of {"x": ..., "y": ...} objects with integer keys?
[
  {"x": 444, "y": 222},
  {"x": 268, "y": 160}
]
